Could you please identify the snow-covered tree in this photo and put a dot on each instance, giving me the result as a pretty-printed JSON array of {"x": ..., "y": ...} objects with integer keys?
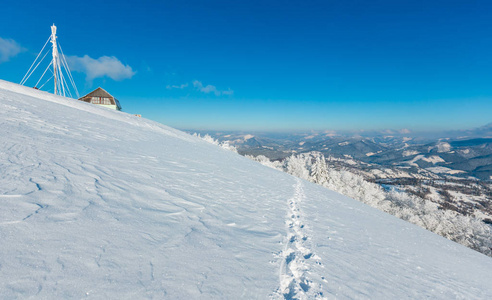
[
  {"x": 266, "y": 162},
  {"x": 211, "y": 140},
  {"x": 319, "y": 170},
  {"x": 207, "y": 138},
  {"x": 298, "y": 166}
]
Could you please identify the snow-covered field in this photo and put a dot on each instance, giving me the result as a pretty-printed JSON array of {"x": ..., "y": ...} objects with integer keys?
[
  {"x": 444, "y": 170},
  {"x": 100, "y": 204}
]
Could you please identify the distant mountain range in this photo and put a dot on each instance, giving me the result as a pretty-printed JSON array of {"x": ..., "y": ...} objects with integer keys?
[{"x": 456, "y": 153}]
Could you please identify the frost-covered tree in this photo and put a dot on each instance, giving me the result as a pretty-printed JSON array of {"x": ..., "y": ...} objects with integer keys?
[
  {"x": 207, "y": 138},
  {"x": 228, "y": 146},
  {"x": 319, "y": 170},
  {"x": 266, "y": 162},
  {"x": 298, "y": 165},
  {"x": 211, "y": 140}
]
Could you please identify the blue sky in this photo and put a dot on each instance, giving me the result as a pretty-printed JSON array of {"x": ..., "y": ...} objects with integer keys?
[{"x": 271, "y": 65}]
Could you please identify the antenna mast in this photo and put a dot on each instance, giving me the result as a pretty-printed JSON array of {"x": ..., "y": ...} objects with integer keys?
[
  {"x": 55, "y": 56},
  {"x": 61, "y": 71}
]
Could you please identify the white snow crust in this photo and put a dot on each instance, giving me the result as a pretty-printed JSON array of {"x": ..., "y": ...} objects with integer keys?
[
  {"x": 433, "y": 159},
  {"x": 444, "y": 170},
  {"x": 100, "y": 204}
]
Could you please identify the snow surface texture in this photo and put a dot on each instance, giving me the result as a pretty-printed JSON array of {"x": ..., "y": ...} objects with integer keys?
[{"x": 100, "y": 204}]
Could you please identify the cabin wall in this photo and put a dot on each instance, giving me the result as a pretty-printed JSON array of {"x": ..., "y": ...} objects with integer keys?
[{"x": 103, "y": 101}]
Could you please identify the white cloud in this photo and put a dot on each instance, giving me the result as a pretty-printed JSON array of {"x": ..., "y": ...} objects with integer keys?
[
  {"x": 181, "y": 86},
  {"x": 8, "y": 48},
  {"x": 198, "y": 85},
  {"x": 210, "y": 89},
  {"x": 108, "y": 66}
]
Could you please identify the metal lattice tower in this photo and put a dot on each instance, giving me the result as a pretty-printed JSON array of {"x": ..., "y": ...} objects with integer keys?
[{"x": 59, "y": 69}]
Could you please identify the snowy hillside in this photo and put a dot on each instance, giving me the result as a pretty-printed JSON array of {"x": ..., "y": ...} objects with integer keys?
[{"x": 100, "y": 204}]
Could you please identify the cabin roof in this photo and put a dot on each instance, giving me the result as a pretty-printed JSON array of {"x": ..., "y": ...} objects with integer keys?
[{"x": 99, "y": 92}]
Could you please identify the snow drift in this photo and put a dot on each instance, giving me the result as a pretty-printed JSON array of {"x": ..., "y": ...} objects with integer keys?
[{"x": 100, "y": 204}]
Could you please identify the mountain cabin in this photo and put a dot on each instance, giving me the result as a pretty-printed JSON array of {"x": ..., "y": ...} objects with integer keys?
[{"x": 100, "y": 97}]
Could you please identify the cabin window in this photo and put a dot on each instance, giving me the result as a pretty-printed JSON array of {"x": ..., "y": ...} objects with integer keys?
[{"x": 101, "y": 100}]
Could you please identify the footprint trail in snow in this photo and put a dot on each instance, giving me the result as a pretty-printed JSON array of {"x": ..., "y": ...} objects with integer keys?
[{"x": 297, "y": 258}]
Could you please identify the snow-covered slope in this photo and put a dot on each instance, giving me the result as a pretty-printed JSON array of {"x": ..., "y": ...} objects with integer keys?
[{"x": 101, "y": 204}]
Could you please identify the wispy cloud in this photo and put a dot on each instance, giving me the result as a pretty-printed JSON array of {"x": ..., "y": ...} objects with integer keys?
[
  {"x": 228, "y": 92},
  {"x": 210, "y": 89},
  {"x": 8, "y": 49},
  {"x": 199, "y": 86},
  {"x": 181, "y": 86},
  {"x": 103, "y": 66}
]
